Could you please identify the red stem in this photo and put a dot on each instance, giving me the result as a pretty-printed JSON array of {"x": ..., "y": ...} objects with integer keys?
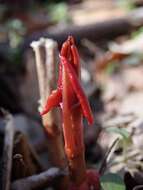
[
  {"x": 74, "y": 104},
  {"x": 73, "y": 134}
]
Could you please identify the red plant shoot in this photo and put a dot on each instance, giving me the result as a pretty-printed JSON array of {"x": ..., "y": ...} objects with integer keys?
[{"x": 70, "y": 96}]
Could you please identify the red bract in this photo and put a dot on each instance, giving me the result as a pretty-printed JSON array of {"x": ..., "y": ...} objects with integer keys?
[
  {"x": 54, "y": 99},
  {"x": 78, "y": 90},
  {"x": 70, "y": 96},
  {"x": 69, "y": 58}
]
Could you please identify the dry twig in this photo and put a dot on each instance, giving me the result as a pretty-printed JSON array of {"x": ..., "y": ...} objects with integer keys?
[
  {"x": 45, "y": 50},
  {"x": 25, "y": 161},
  {"x": 45, "y": 179},
  {"x": 7, "y": 152},
  {"x": 107, "y": 155}
]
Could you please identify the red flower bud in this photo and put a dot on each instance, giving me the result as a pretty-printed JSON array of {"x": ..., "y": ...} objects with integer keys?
[{"x": 69, "y": 58}]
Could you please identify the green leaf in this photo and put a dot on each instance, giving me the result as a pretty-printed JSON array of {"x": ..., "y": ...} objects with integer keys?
[
  {"x": 112, "y": 181},
  {"x": 121, "y": 131}
]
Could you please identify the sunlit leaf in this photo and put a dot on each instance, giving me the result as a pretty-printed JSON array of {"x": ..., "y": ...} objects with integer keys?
[
  {"x": 121, "y": 131},
  {"x": 112, "y": 182}
]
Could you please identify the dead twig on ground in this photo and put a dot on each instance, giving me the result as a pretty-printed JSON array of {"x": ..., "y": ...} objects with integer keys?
[
  {"x": 7, "y": 152},
  {"x": 45, "y": 179}
]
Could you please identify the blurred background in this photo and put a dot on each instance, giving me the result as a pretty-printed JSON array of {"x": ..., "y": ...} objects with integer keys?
[
  {"x": 94, "y": 24},
  {"x": 109, "y": 35}
]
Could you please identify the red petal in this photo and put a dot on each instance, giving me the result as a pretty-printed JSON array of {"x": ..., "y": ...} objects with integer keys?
[
  {"x": 76, "y": 59},
  {"x": 64, "y": 52},
  {"x": 53, "y": 100},
  {"x": 78, "y": 90},
  {"x": 65, "y": 48}
]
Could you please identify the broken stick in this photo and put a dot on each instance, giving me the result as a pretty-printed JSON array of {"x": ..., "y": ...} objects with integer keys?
[
  {"x": 45, "y": 179},
  {"x": 45, "y": 50},
  {"x": 7, "y": 152}
]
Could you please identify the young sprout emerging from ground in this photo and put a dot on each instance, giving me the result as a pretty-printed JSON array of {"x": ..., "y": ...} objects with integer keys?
[{"x": 70, "y": 96}]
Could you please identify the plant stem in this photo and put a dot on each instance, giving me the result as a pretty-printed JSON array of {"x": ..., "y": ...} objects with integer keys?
[
  {"x": 45, "y": 64},
  {"x": 70, "y": 96},
  {"x": 73, "y": 134}
]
